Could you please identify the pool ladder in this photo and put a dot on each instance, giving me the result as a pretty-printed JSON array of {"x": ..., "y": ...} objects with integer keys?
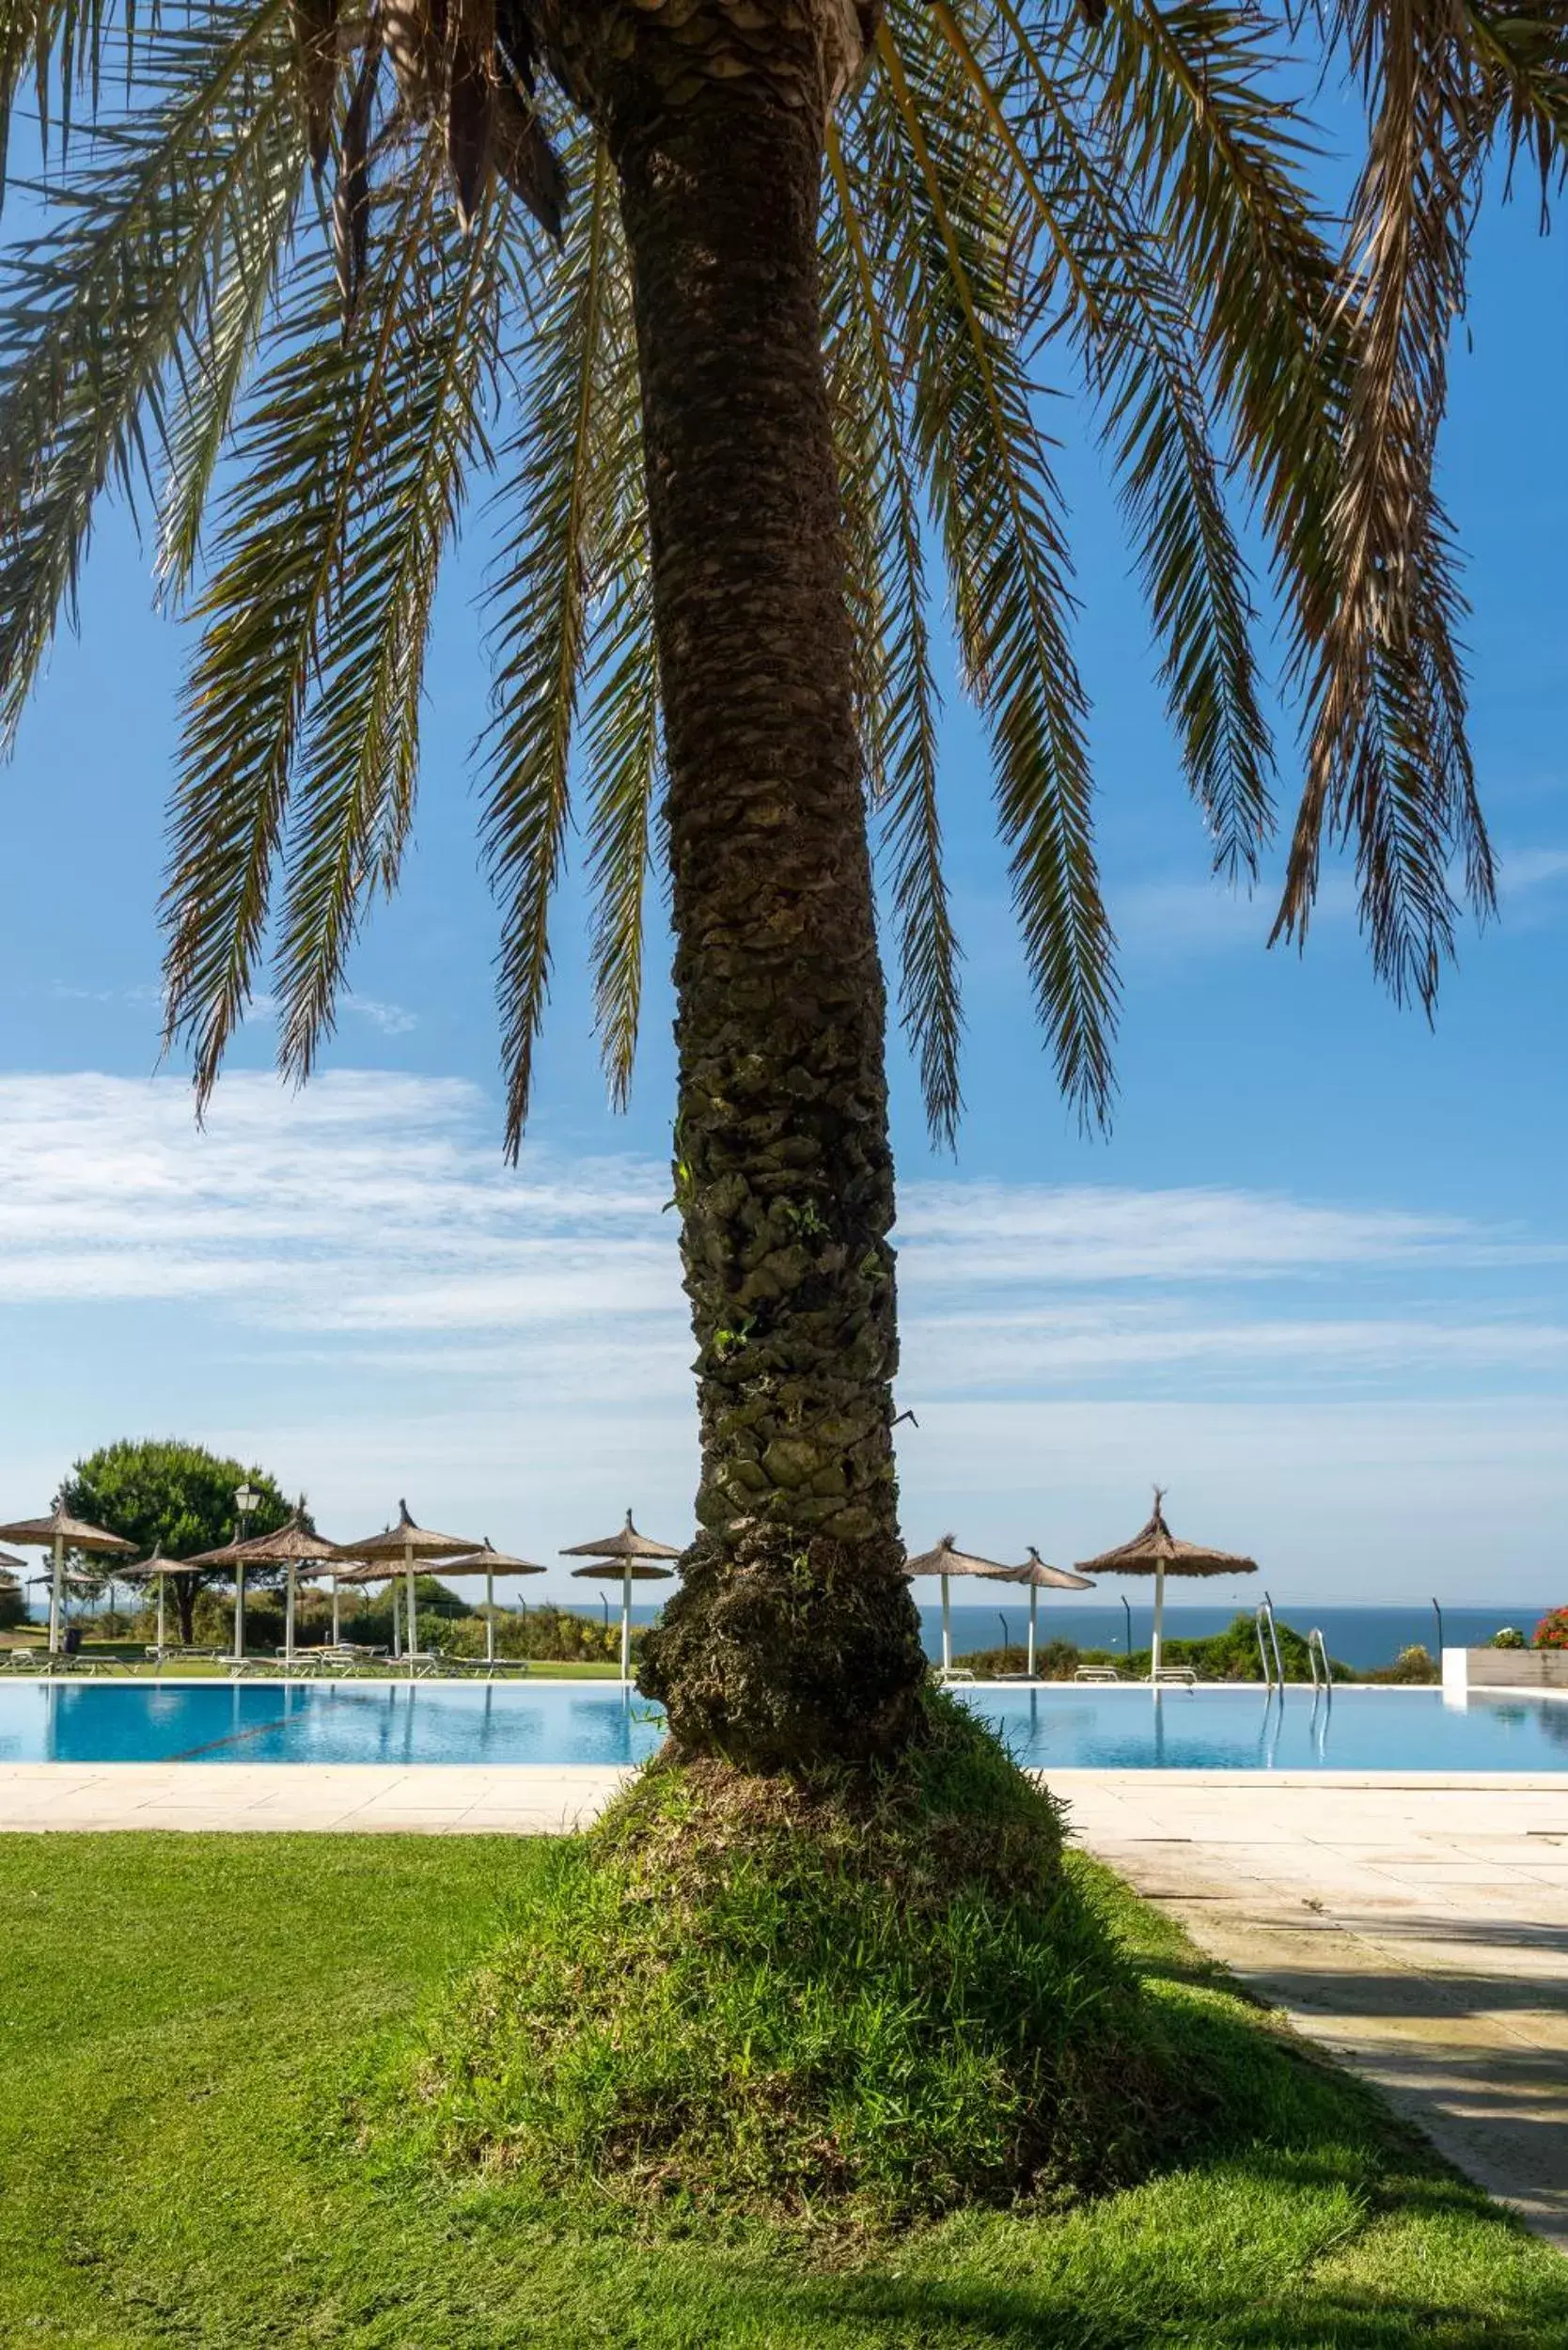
[
  {"x": 1268, "y": 1651},
  {"x": 1317, "y": 1656}
]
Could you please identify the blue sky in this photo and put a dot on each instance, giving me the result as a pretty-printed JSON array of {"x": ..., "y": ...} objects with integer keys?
[{"x": 1314, "y": 1281}]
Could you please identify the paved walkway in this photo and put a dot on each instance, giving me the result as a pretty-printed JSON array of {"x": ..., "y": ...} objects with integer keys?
[
  {"x": 421, "y": 1799},
  {"x": 1417, "y": 1928},
  {"x": 1419, "y": 1931}
]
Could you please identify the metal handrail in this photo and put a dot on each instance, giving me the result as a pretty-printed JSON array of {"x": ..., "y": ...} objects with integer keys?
[
  {"x": 1265, "y": 1615},
  {"x": 1274, "y": 1639},
  {"x": 1317, "y": 1652}
]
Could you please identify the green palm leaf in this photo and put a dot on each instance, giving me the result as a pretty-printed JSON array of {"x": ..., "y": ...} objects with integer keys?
[
  {"x": 622, "y": 737},
  {"x": 1105, "y": 270},
  {"x": 564, "y": 499},
  {"x": 903, "y": 703},
  {"x": 104, "y": 312},
  {"x": 954, "y": 305},
  {"x": 309, "y": 664}
]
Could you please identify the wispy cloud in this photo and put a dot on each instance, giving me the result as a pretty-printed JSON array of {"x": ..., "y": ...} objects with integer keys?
[
  {"x": 377, "y": 1204},
  {"x": 387, "y": 1019},
  {"x": 1183, "y": 917},
  {"x": 350, "y": 1283}
]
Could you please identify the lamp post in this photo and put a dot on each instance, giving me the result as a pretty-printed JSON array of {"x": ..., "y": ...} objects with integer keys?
[{"x": 246, "y": 1498}]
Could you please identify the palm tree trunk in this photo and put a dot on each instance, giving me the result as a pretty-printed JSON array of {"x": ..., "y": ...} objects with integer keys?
[{"x": 794, "y": 1637}]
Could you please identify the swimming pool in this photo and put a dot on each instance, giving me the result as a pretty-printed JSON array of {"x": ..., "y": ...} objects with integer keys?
[{"x": 1062, "y": 1729}]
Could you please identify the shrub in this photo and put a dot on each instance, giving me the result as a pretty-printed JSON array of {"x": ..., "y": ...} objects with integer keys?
[
  {"x": 1413, "y": 1663},
  {"x": 545, "y": 1634},
  {"x": 1509, "y": 1638},
  {"x": 1552, "y": 1630}
]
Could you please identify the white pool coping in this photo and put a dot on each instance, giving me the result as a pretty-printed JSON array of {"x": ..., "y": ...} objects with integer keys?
[{"x": 467, "y": 1798}]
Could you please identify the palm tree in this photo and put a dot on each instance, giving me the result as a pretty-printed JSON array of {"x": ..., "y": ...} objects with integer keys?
[{"x": 742, "y": 303}]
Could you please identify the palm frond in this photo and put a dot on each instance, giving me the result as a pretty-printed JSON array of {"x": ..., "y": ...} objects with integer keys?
[
  {"x": 951, "y": 292},
  {"x": 60, "y": 46},
  {"x": 562, "y": 497},
  {"x": 358, "y": 763},
  {"x": 1130, "y": 319},
  {"x": 621, "y": 733},
  {"x": 211, "y": 375},
  {"x": 1388, "y": 765},
  {"x": 1201, "y": 124},
  {"x": 103, "y": 313},
  {"x": 325, "y": 416},
  {"x": 901, "y": 702},
  {"x": 1523, "y": 64}
]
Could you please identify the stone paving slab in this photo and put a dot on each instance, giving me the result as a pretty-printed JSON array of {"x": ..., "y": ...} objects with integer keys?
[
  {"x": 429, "y": 1800},
  {"x": 1417, "y": 1931}
]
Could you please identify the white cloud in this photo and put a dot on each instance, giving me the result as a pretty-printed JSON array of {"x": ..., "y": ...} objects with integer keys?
[
  {"x": 379, "y": 1204},
  {"x": 349, "y": 1284},
  {"x": 1521, "y": 870},
  {"x": 388, "y": 1019},
  {"x": 1097, "y": 1233},
  {"x": 1178, "y": 918}
]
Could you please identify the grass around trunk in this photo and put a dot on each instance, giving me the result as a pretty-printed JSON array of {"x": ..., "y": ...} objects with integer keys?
[{"x": 185, "y": 2019}]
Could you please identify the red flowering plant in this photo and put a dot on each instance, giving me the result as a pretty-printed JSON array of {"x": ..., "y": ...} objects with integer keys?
[{"x": 1552, "y": 1630}]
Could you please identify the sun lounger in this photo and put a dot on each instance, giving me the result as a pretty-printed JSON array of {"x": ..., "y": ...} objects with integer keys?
[
  {"x": 39, "y": 1660},
  {"x": 434, "y": 1662},
  {"x": 1096, "y": 1672},
  {"x": 1179, "y": 1676}
]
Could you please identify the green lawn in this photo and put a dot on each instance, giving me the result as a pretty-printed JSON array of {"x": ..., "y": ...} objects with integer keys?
[
  {"x": 111, "y": 1656},
  {"x": 183, "y": 2018}
]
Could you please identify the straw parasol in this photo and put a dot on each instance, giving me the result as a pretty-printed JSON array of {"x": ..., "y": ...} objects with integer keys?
[
  {"x": 489, "y": 1562},
  {"x": 1040, "y": 1577},
  {"x": 947, "y": 1560},
  {"x": 152, "y": 1569},
  {"x": 291, "y": 1546},
  {"x": 1155, "y": 1550},
  {"x": 403, "y": 1544},
  {"x": 59, "y": 1532},
  {"x": 634, "y": 1559}
]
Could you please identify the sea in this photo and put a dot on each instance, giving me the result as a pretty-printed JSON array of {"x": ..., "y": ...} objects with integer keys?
[{"x": 1359, "y": 1637}]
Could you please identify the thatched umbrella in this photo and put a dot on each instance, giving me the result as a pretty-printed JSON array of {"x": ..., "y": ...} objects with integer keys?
[
  {"x": 632, "y": 1558},
  {"x": 947, "y": 1560},
  {"x": 152, "y": 1569},
  {"x": 489, "y": 1562},
  {"x": 1040, "y": 1577},
  {"x": 1155, "y": 1550},
  {"x": 405, "y": 1543},
  {"x": 291, "y": 1546},
  {"x": 59, "y": 1532}
]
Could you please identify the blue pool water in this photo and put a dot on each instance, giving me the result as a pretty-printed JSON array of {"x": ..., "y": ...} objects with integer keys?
[{"x": 1363, "y": 1730}]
